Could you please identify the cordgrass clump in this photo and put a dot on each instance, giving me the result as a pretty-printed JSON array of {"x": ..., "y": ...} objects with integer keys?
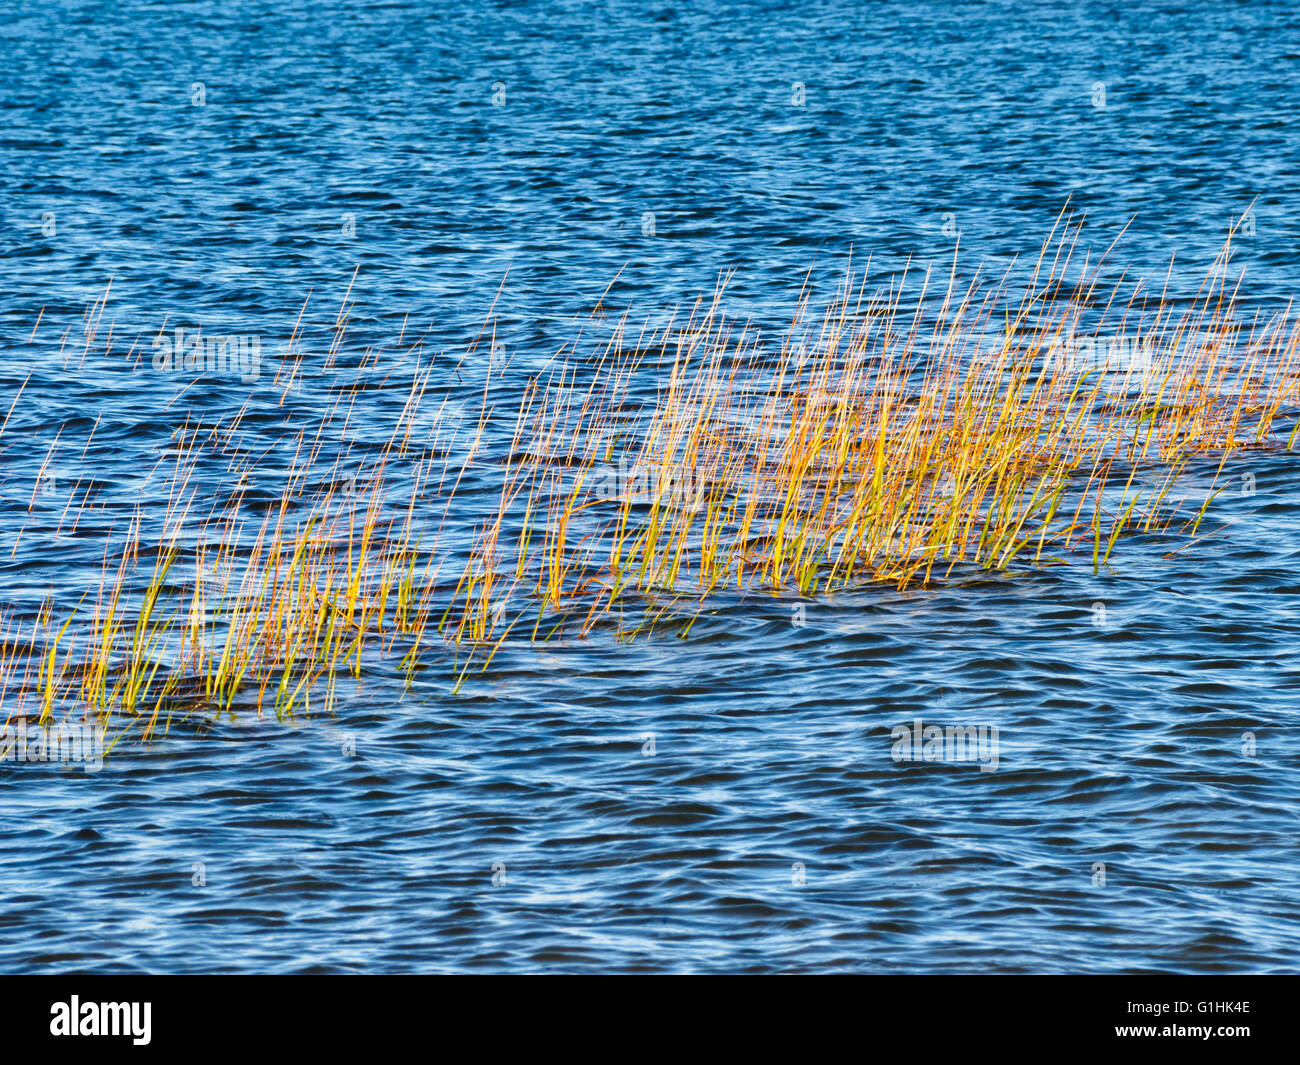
[{"x": 903, "y": 436}]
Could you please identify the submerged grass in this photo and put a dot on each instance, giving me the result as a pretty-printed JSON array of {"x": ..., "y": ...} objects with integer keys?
[{"x": 893, "y": 436}]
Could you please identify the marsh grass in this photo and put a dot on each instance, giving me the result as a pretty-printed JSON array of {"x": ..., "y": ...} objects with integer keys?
[{"x": 902, "y": 436}]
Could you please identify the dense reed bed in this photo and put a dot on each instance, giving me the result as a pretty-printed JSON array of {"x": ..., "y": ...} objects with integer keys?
[{"x": 920, "y": 432}]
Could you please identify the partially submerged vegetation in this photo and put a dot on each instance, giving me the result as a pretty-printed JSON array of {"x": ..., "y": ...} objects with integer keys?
[{"x": 895, "y": 436}]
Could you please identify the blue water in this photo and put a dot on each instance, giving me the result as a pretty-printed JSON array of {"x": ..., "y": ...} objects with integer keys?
[{"x": 725, "y": 802}]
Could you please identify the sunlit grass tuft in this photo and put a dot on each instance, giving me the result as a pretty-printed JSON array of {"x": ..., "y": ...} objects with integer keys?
[{"x": 897, "y": 436}]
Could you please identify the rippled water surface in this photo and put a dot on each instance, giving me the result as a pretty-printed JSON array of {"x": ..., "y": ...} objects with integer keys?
[{"x": 723, "y": 802}]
